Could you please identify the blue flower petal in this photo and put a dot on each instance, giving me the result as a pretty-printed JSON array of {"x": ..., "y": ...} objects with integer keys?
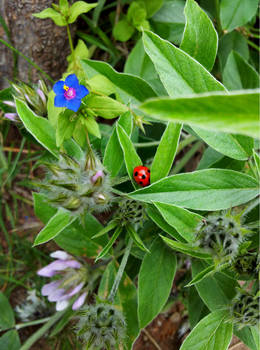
[
  {"x": 72, "y": 81},
  {"x": 58, "y": 87},
  {"x": 81, "y": 91},
  {"x": 60, "y": 101},
  {"x": 74, "y": 104}
]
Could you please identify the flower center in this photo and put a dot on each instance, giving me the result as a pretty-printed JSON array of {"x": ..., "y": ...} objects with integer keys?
[{"x": 69, "y": 92}]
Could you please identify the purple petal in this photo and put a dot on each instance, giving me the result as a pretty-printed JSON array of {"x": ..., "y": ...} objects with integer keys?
[
  {"x": 79, "y": 302},
  {"x": 49, "y": 288},
  {"x": 58, "y": 87},
  {"x": 41, "y": 94},
  {"x": 81, "y": 91},
  {"x": 61, "y": 255},
  {"x": 47, "y": 271},
  {"x": 72, "y": 81},
  {"x": 73, "y": 104},
  {"x": 60, "y": 101},
  {"x": 73, "y": 291},
  {"x": 56, "y": 295},
  {"x": 11, "y": 116},
  {"x": 58, "y": 265},
  {"x": 9, "y": 103},
  {"x": 61, "y": 305}
]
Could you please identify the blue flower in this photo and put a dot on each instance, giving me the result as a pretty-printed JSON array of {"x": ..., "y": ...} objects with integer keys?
[{"x": 69, "y": 93}]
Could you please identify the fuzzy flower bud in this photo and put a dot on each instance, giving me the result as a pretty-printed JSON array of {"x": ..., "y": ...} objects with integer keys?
[{"x": 130, "y": 211}]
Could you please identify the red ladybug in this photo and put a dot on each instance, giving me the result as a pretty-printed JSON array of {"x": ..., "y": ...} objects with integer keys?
[{"x": 142, "y": 175}]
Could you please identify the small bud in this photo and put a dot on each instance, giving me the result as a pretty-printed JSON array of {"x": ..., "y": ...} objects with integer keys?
[
  {"x": 98, "y": 177},
  {"x": 11, "y": 116},
  {"x": 9, "y": 103}
]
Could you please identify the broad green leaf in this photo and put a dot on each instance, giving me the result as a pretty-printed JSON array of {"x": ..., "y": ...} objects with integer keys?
[
  {"x": 53, "y": 112},
  {"x": 114, "y": 157},
  {"x": 10, "y": 341},
  {"x": 256, "y": 335},
  {"x": 166, "y": 152},
  {"x": 54, "y": 226},
  {"x": 216, "y": 291},
  {"x": 78, "y": 8},
  {"x": 186, "y": 249},
  {"x": 200, "y": 39},
  {"x": 73, "y": 149},
  {"x": 257, "y": 161},
  {"x": 6, "y": 316},
  {"x": 129, "y": 87},
  {"x": 213, "y": 111},
  {"x": 213, "y": 332},
  {"x": 65, "y": 127},
  {"x": 236, "y": 13},
  {"x": 196, "y": 308},
  {"x": 132, "y": 159},
  {"x": 247, "y": 338},
  {"x": 43, "y": 210},
  {"x": 105, "y": 107},
  {"x": 134, "y": 235},
  {"x": 123, "y": 30},
  {"x": 155, "y": 215},
  {"x": 92, "y": 126},
  {"x": 209, "y": 189},
  {"x": 57, "y": 18},
  {"x": 177, "y": 70},
  {"x": 234, "y": 146},
  {"x": 39, "y": 127},
  {"x": 109, "y": 245},
  {"x": 238, "y": 74},
  {"x": 100, "y": 84},
  {"x": 152, "y": 6},
  {"x": 155, "y": 281},
  {"x": 184, "y": 221}
]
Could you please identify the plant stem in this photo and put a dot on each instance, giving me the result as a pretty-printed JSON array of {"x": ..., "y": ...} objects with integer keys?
[
  {"x": 120, "y": 271},
  {"x": 218, "y": 22},
  {"x": 70, "y": 40},
  {"x": 37, "y": 335},
  {"x": 27, "y": 59},
  {"x": 31, "y": 323},
  {"x": 186, "y": 158}
]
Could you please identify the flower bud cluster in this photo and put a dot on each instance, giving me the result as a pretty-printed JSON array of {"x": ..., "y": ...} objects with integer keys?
[
  {"x": 101, "y": 326},
  {"x": 130, "y": 211},
  {"x": 78, "y": 185}
]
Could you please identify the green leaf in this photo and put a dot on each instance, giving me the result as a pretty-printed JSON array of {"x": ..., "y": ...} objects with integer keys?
[
  {"x": 213, "y": 111},
  {"x": 57, "y": 18},
  {"x": 92, "y": 126},
  {"x": 10, "y": 341},
  {"x": 78, "y": 8},
  {"x": 42, "y": 208},
  {"x": 65, "y": 126},
  {"x": 236, "y": 13},
  {"x": 123, "y": 30},
  {"x": 54, "y": 226},
  {"x": 105, "y": 107},
  {"x": 39, "y": 127},
  {"x": 186, "y": 249},
  {"x": 256, "y": 336},
  {"x": 200, "y": 39},
  {"x": 156, "y": 216},
  {"x": 6, "y": 316},
  {"x": 166, "y": 152},
  {"x": 234, "y": 146},
  {"x": 209, "y": 189},
  {"x": 216, "y": 291},
  {"x": 105, "y": 229},
  {"x": 211, "y": 333},
  {"x": 109, "y": 244},
  {"x": 152, "y": 6},
  {"x": 196, "y": 308},
  {"x": 73, "y": 149},
  {"x": 201, "y": 275},
  {"x": 246, "y": 336},
  {"x": 129, "y": 87},
  {"x": 181, "y": 219},
  {"x": 155, "y": 281},
  {"x": 132, "y": 159},
  {"x": 257, "y": 161},
  {"x": 177, "y": 69},
  {"x": 134, "y": 235},
  {"x": 238, "y": 74},
  {"x": 114, "y": 157}
]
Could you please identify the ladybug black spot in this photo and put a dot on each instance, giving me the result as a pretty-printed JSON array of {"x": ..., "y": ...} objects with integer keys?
[
  {"x": 149, "y": 170},
  {"x": 136, "y": 173},
  {"x": 143, "y": 176},
  {"x": 141, "y": 182}
]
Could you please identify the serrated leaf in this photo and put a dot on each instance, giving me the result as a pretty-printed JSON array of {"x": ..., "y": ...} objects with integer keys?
[
  {"x": 200, "y": 39},
  {"x": 77, "y": 8},
  {"x": 155, "y": 281}
]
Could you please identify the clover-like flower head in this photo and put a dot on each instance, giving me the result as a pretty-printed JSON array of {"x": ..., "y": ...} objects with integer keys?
[{"x": 69, "y": 93}]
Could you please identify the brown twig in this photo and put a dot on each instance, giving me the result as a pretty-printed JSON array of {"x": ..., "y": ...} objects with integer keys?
[{"x": 152, "y": 340}]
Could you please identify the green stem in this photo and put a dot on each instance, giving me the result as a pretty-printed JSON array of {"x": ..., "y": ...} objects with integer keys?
[
  {"x": 37, "y": 335},
  {"x": 31, "y": 323},
  {"x": 186, "y": 158},
  {"x": 146, "y": 144},
  {"x": 27, "y": 59},
  {"x": 250, "y": 43},
  {"x": 182, "y": 144},
  {"x": 218, "y": 22},
  {"x": 186, "y": 142},
  {"x": 120, "y": 271},
  {"x": 70, "y": 40}
]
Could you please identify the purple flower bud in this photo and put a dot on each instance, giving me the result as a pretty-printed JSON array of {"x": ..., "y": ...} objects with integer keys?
[
  {"x": 61, "y": 305},
  {"x": 42, "y": 96},
  {"x": 72, "y": 292},
  {"x": 9, "y": 103},
  {"x": 79, "y": 302},
  {"x": 28, "y": 99},
  {"x": 49, "y": 288},
  {"x": 11, "y": 116},
  {"x": 58, "y": 265},
  {"x": 61, "y": 255},
  {"x": 99, "y": 175}
]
